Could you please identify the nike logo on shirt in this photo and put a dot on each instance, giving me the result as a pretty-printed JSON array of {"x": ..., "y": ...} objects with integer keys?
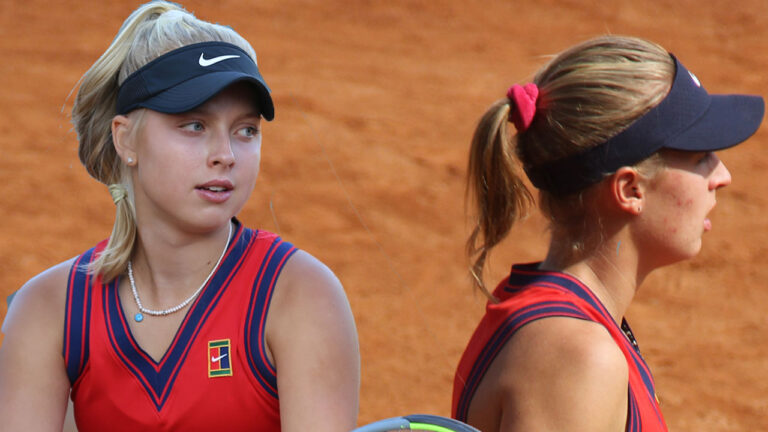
[
  {"x": 216, "y": 359},
  {"x": 204, "y": 62}
]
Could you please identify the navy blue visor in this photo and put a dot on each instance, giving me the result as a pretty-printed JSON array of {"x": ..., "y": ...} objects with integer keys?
[
  {"x": 187, "y": 77},
  {"x": 687, "y": 119}
]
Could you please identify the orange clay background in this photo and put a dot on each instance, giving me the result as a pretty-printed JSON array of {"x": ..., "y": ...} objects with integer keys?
[{"x": 364, "y": 167}]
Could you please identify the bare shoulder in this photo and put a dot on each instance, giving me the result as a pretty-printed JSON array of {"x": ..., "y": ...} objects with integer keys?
[
  {"x": 311, "y": 338},
  {"x": 563, "y": 374},
  {"x": 572, "y": 346},
  {"x": 306, "y": 279},
  {"x": 33, "y": 381},
  {"x": 40, "y": 302},
  {"x": 308, "y": 300}
]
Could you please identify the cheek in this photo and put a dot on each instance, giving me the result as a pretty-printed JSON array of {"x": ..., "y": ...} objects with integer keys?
[
  {"x": 681, "y": 223},
  {"x": 676, "y": 202},
  {"x": 249, "y": 159}
]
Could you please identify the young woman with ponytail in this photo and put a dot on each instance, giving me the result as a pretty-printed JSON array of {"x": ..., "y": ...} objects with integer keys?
[
  {"x": 183, "y": 319},
  {"x": 618, "y": 138}
]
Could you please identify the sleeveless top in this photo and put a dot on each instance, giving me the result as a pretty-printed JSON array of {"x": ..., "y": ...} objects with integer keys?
[
  {"x": 530, "y": 294},
  {"x": 215, "y": 374}
]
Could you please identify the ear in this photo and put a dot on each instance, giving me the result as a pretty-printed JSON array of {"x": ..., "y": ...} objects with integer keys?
[
  {"x": 121, "y": 132},
  {"x": 628, "y": 190}
]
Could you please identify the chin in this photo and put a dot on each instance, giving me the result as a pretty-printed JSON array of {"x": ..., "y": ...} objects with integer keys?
[{"x": 676, "y": 256}]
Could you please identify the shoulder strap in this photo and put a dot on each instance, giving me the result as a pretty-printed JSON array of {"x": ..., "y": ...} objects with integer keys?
[
  {"x": 275, "y": 257},
  {"x": 77, "y": 318},
  {"x": 503, "y": 330}
]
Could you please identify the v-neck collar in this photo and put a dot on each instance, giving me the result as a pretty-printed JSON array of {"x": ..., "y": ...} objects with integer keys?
[{"x": 158, "y": 376}]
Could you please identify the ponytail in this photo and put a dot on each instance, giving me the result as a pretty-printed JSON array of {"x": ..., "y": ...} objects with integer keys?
[
  {"x": 493, "y": 180},
  {"x": 589, "y": 93}
]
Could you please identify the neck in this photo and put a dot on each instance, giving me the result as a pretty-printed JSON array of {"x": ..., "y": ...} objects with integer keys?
[
  {"x": 610, "y": 270},
  {"x": 169, "y": 265}
]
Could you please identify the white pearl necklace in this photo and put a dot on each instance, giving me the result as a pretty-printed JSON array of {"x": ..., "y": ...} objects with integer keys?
[{"x": 139, "y": 317}]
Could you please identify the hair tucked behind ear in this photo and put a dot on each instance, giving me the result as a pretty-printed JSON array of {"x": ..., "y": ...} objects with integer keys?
[
  {"x": 493, "y": 179},
  {"x": 150, "y": 31}
]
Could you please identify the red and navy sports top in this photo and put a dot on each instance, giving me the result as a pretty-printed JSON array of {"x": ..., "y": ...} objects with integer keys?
[
  {"x": 530, "y": 294},
  {"x": 215, "y": 374}
]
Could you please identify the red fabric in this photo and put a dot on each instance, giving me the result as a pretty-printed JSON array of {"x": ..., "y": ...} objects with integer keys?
[
  {"x": 111, "y": 393},
  {"x": 528, "y": 295}
]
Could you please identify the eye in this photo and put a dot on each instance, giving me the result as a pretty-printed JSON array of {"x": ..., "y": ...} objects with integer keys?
[
  {"x": 248, "y": 131},
  {"x": 194, "y": 126}
]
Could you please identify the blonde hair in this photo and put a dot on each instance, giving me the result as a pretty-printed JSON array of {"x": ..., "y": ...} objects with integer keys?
[
  {"x": 152, "y": 30},
  {"x": 587, "y": 94}
]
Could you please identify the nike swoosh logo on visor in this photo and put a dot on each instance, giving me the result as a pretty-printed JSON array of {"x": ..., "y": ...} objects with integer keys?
[{"x": 207, "y": 62}]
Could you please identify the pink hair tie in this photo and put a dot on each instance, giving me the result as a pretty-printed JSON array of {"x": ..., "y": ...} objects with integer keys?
[{"x": 524, "y": 109}]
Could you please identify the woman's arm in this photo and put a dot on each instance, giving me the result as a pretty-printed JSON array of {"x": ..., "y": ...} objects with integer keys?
[
  {"x": 312, "y": 337},
  {"x": 33, "y": 382},
  {"x": 561, "y": 374}
]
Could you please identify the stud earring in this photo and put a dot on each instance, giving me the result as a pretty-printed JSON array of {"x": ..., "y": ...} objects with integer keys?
[{"x": 130, "y": 161}]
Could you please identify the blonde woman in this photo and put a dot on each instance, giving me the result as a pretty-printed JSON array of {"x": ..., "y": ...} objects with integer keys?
[
  {"x": 618, "y": 137},
  {"x": 183, "y": 319}
]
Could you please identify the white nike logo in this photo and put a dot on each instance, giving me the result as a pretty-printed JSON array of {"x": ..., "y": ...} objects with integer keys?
[
  {"x": 216, "y": 359},
  {"x": 207, "y": 62}
]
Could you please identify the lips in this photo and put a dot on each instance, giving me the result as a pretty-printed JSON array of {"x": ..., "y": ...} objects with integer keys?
[
  {"x": 217, "y": 185},
  {"x": 215, "y": 188},
  {"x": 215, "y": 191},
  {"x": 707, "y": 221}
]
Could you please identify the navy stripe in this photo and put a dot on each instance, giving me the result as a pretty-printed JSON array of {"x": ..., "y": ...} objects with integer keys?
[
  {"x": 158, "y": 378},
  {"x": 533, "y": 276},
  {"x": 634, "y": 422},
  {"x": 528, "y": 274},
  {"x": 261, "y": 296},
  {"x": 76, "y": 347},
  {"x": 538, "y": 277},
  {"x": 500, "y": 337},
  {"x": 110, "y": 308}
]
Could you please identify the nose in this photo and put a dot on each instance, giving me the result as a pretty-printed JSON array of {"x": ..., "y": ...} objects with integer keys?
[
  {"x": 721, "y": 177},
  {"x": 220, "y": 150}
]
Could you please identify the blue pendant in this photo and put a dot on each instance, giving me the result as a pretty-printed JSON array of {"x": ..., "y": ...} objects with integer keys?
[{"x": 138, "y": 317}]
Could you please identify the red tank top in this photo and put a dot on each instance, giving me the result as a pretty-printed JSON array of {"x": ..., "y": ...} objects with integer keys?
[
  {"x": 215, "y": 374},
  {"x": 530, "y": 294}
]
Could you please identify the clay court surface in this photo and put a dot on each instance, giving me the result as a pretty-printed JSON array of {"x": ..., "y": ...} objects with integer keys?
[{"x": 364, "y": 168}]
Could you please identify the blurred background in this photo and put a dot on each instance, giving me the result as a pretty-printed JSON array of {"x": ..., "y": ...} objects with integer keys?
[{"x": 364, "y": 168}]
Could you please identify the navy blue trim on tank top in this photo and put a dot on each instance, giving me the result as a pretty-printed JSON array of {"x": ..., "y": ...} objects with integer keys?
[
  {"x": 500, "y": 337},
  {"x": 263, "y": 288},
  {"x": 525, "y": 275},
  {"x": 158, "y": 378},
  {"x": 634, "y": 419},
  {"x": 77, "y": 317},
  {"x": 529, "y": 274}
]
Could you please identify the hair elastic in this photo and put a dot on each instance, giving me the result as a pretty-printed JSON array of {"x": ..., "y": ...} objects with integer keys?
[
  {"x": 117, "y": 191},
  {"x": 524, "y": 109}
]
